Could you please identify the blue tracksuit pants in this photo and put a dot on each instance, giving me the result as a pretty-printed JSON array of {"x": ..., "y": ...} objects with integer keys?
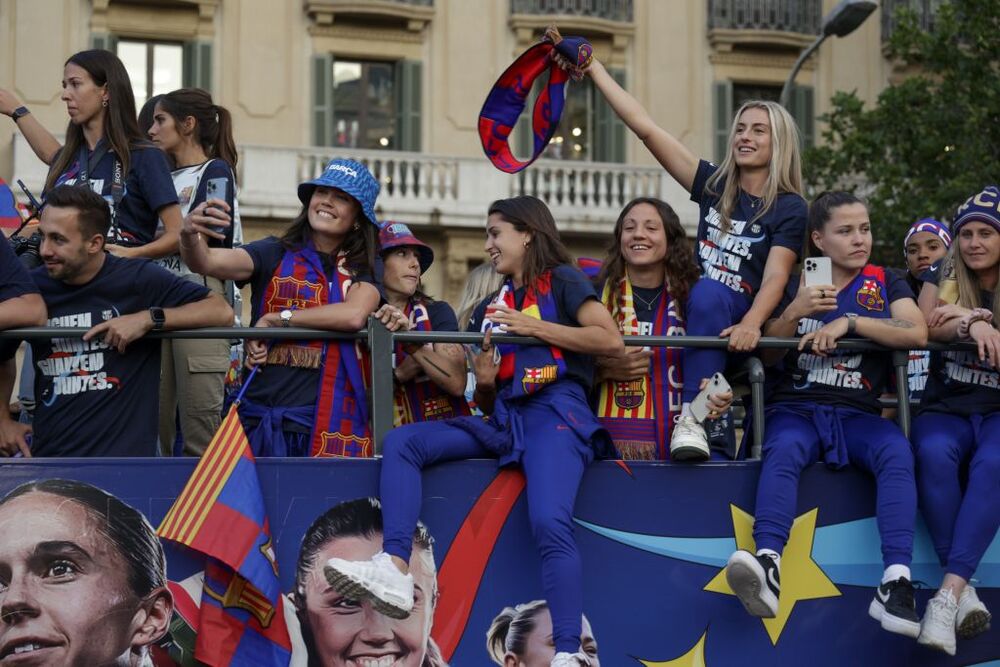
[
  {"x": 711, "y": 307},
  {"x": 871, "y": 443},
  {"x": 962, "y": 524}
]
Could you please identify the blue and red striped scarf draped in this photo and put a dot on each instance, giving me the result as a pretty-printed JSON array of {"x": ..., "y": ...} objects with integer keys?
[
  {"x": 529, "y": 368},
  {"x": 639, "y": 414},
  {"x": 340, "y": 424},
  {"x": 421, "y": 399}
]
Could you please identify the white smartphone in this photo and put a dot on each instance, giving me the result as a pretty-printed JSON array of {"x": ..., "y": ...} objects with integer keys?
[
  {"x": 717, "y": 384},
  {"x": 818, "y": 270}
]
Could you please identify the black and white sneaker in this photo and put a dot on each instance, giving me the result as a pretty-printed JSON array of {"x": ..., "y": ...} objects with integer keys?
[
  {"x": 895, "y": 608},
  {"x": 756, "y": 582}
]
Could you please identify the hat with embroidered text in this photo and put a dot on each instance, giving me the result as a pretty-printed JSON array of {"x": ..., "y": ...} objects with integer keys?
[
  {"x": 351, "y": 177},
  {"x": 983, "y": 207}
]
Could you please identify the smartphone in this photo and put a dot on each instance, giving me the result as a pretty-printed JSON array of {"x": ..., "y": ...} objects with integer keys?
[
  {"x": 717, "y": 384},
  {"x": 217, "y": 188},
  {"x": 819, "y": 271}
]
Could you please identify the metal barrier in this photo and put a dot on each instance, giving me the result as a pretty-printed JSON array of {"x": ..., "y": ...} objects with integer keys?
[{"x": 381, "y": 342}]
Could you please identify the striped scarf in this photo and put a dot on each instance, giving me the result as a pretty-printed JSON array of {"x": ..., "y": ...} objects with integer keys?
[
  {"x": 640, "y": 414},
  {"x": 340, "y": 424},
  {"x": 421, "y": 399},
  {"x": 525, "y": 369}
]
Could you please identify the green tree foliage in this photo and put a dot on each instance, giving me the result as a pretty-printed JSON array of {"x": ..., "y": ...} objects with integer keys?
[{"x": 932, "y": 140}]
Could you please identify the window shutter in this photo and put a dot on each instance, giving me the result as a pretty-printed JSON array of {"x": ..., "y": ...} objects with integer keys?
[
  {"x": 197, "y": 65},
  {"x": 104, "y": 40},
  {"x": 408, "y": 103},
  {"x": 609, "y": 130},
  {"x": 322, "y": 98},
  {"x": 723, "y": 100},
  {"x": 804, "y": 111}
]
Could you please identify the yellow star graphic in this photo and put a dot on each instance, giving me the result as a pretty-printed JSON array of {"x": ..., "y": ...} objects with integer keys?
[
  {"x": 801, "y": 577},
  {"x": 693, "y": 658}
]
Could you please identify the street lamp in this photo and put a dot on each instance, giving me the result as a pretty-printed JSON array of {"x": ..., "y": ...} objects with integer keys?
[{"x": 841, "y": 21}]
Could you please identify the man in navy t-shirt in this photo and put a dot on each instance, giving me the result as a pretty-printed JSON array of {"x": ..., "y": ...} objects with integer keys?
[
  {"x": 20, "y": 303},
  {"x": 98, "y": 396}
]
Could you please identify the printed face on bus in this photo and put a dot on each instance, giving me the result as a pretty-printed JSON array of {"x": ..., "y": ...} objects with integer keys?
[
  {"x": 643, "y": 238},
  {"x": 922, "y": 250},
  {"x": 846, "y": 238},
  {"x": 505, "y": 245},
  {"x": 353, "y": 634},
  {"x": 540, "y": 648},
  {"x": 65, "y": 599}
]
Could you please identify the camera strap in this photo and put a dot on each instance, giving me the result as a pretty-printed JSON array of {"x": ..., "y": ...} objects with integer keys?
[{"x": 88, "y": 165}]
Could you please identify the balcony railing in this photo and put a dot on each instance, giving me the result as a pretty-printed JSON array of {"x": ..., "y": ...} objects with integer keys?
[
  {"x": 796, "y": 16},
  {"x": 609, "y": 10},
  {"x": 926, "y": 11},
  {"x": 455, "y": 191}
]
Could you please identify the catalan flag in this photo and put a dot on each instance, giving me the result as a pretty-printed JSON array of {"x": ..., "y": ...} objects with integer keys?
[{"x": 220, "y": 513}]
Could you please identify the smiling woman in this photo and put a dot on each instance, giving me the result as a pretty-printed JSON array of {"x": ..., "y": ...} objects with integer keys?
[
  {"x": 82, "y": 579},
  {"x": 342, "y": 632}
]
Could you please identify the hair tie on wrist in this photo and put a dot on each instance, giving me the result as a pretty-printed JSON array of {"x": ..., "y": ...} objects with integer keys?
[{"x": 506, "y": 101}]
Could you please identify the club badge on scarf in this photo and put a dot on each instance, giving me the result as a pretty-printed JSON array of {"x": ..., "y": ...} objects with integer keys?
[
  {"x": 508, "y": 97},
  {"x": 525, "y": 369}
]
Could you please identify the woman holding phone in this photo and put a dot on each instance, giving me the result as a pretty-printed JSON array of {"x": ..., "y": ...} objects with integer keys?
[
  {"x": 536, "y": 397},
  {"x": 198, "y": 136},
  {"x": 824, "y": 406}
]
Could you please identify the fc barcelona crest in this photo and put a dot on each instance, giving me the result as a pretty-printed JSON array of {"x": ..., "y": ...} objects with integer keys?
[
  {"x": 631, "y": 394},
  {"x": 338, "y": 444},
  {"x": 293, "y": 293},
  {"x": 870, "y": 296},
  {"x": 535, "y": 378}
]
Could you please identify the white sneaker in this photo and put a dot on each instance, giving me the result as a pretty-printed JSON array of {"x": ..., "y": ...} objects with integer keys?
[
  {"x": 756, "y": 581},
  {"x": 688, "y": 442},
  {"x": 973, "y": 617},
  {"x": 378, "y": 580},
  {"x": 570, "y": 660},
  {"x": 937, "y": 629}
]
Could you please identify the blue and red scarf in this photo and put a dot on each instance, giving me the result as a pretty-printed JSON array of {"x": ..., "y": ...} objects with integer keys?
[
  {"x": 506, "y": 101},
  {"x": 525, "y": 369},
  {"x": 639, "y": 414},
  {"x": 421, "y": 399},
  {"x": 340, "y": 424}
]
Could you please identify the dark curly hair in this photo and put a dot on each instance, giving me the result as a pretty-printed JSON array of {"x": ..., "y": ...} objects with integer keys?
[{"x": 678, "y": 263}]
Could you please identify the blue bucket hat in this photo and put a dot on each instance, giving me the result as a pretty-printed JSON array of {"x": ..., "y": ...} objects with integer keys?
[
  {"x": 350, "y": 176},
  {"x": 395, "y": 234}
]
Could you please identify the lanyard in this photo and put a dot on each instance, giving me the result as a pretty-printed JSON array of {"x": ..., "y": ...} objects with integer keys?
[{"x": 88, "y": 165}]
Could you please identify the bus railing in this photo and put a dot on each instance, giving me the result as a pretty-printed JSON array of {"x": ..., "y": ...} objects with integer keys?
[{"x": 381, "y": 342}]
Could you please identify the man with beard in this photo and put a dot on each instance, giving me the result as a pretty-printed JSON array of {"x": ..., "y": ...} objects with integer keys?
[{"x": 93, "y": 397}]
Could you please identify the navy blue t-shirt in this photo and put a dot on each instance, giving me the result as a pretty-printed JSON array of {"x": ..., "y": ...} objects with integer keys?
[
  {"x": 14, "y": 278},
  {"x": 442, "y": 316},
  {"x": 571, "y": 289},
  {"x": 91, "y": 400},
  {"x": 737, "y": 259},
  {"x": 844, "y": 378},
  {"x": 957, "y": 382},
  {"x": 148, "y": 188},
  {"x": 282, "y": 386}
]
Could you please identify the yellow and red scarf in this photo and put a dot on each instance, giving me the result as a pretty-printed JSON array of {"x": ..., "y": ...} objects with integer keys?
[{"x": 640, "y": 414}]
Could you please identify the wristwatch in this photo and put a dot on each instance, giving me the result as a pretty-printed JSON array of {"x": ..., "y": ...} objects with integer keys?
[
  {"x": 18, "y": 113},
  {"x": 852, "y": 322},
  {"x": 159, "y": 319},
  {"x": 286, "y": 317}
]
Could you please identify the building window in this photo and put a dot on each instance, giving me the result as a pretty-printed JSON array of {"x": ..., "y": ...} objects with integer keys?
[
  {"x": 364, "y": 104},
  {"x": 730, "y": 96},
  {"x": 155, "y": 68},
  {"x": 743, "y": 92}
]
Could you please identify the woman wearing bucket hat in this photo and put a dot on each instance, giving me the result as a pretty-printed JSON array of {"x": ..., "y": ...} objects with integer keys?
[
  {"x": 540, "y": 419},
  {"x": 958, "y": 428},
  {"x": 430, "y": 379},
  {"x": 312, "y": 397}
]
